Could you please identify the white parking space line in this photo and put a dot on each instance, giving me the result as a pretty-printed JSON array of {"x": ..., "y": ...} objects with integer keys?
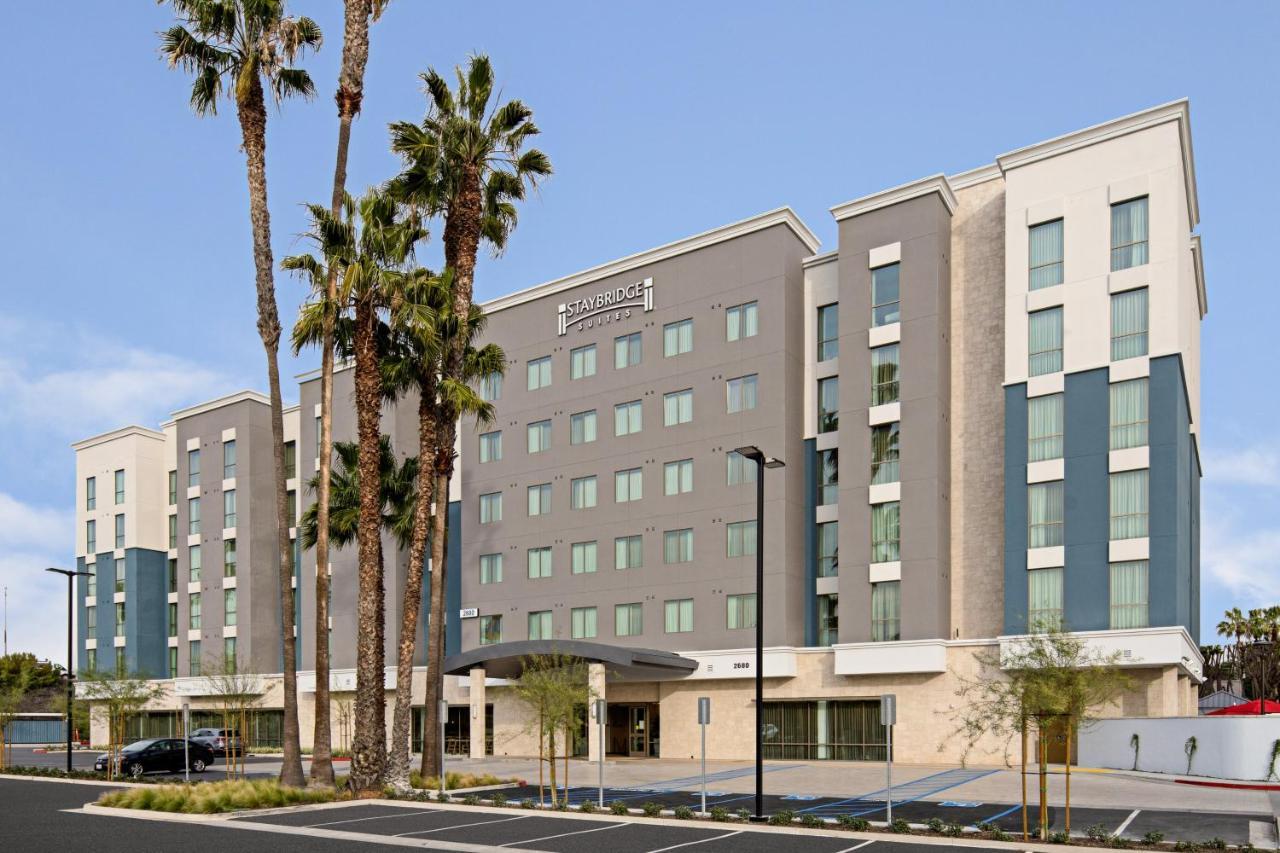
[
  {"x": 402, "y": 813},
  {"x": 1125, "y": 824},
  {"x": 461, "y": 826},
  {"x": 562, "y": 835},
  {"x": 856, "y": 846},
  {"x": 699, "y": 841}
]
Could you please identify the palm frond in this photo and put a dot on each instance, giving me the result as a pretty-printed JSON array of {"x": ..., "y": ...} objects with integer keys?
[
  {"x": 292, "y": 82},
  {"x": 438, "y": 89},
  {"x": 479, "y": 86}
]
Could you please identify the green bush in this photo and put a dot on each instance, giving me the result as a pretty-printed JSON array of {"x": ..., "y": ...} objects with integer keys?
[
  {"x": 935, "y": 824},
  {"x": 651, "y": 809},
  {"x": 443, "y": 796},
  {"x": 499, "y": 799},
  {"x": 719, "y": 813},
  {"x": 899, "y": 825},
  {"x": 1097, "y": 832},
  {"x": 683, "y": 813},
  {"x": 619, "y": 807},
  {"x": 743, "y": 813},
  {"x": 453, "y": 781},
  {"x": 858, "y": 824},
  {"x": 562, "y": 804},
  {"x": 471, "y": 800},
  {"x": 782, "y": 817},
  {"x": 953, "y": 830},
  {"x": 1216, "y": 844},
  {"x": 216, "y": 797},
  {"x": 998, "y": 834},
  {"x": 1153, "y": 837},
  {"x": 1186, "y": 847},
  {"x": 587, "y": 806},
  {"x": 1119, "y": 842},
  {"x": 812, "y": 821},
  {"x": 526, "y": 803},
  {"x": 1059, "y": 838}
]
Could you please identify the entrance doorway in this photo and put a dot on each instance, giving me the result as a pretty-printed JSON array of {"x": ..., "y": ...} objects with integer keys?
[{"x": 633, "y": 730}]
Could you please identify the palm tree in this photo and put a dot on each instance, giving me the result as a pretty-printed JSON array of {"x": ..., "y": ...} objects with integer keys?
[
  {"x": 397, "y": 486},
  {"x": 466, "y": 163},
  {"x": 250, "y": 45},
  {"x": 355, "y": 56}
]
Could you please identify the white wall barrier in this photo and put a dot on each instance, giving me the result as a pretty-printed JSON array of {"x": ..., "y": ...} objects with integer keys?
[{"x": 1225, "y": 747}]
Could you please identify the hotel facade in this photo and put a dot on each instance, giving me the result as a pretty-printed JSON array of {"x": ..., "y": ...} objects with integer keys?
[{"x": 1006, "y": 362}]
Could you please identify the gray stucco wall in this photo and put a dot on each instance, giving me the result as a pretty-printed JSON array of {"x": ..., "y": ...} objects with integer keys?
[
  {"x": 1174, "y": 500},
  {"x": 1087, "y": 513}
]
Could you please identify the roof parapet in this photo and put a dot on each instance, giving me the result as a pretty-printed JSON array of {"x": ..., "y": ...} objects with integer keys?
[{"x": 896, "y": 195}]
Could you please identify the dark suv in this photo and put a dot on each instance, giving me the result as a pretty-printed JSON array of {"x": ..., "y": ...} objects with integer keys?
[{"x": 162, "y": 754}]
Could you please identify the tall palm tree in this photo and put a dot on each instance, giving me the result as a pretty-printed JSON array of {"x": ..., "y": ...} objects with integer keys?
[
  {"x": 370, "y": 247},
  {"x": 355, "y": 56},
  {"x": 249, "y": 46},
  {"x": 465, "y": 162},
  {"x": 397, "y": 486}
]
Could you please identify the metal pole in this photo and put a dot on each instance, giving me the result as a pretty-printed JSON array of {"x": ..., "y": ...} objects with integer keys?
[
  {"x": 186, "y": 742},
  {"x": 71, "y": 689},
  {"x": 444, "y": 714},
  {"x": 704, "y": 768},
  {"x": 600, "y": 715},
  {"x": 888, "y": 773},
  {"x": 760, "y": 636}
]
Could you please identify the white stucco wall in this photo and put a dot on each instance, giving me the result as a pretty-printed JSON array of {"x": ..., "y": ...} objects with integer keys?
[{"x": 1226, "y": 747}]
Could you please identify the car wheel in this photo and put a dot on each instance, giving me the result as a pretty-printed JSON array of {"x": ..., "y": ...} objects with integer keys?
[
  {"x": 136, "y": 770},
  {"x": 198, "y": 765}
]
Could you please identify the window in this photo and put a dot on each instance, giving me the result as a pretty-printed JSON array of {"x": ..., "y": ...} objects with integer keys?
[
  {"x": 884, "y": 453},
  {"x": 491, "y": 387},
  {"x": 741, "y": 610},
  {"x": 193, "y": 515},
  {"x": 1129, "y": 503},
  {"x": 828, "y": 331},
  {"x": 539, "y": 436},
  {"x": 582, "y": 492},
  {"x": 1044, "y": 600},
  {"x": 121, "y": 614},
  {"x": 582, "y": 362},
  {"x": 582, "y": 427},
  {"x": 491, "y": 507},
  {"x": 627, "y": 418},
  {"x": 1128, "y": 324},
  {"x": 1129, "y": 594},
  {"x": 229, "y": 558},
  {"x": 91, "y": 660},
  {"x": 828, "y": 619},
  {"x": 1044, "y": 427},
  {"x": 679, "y": 616},
  {"x": 91, "y": 536},
  {"x": 173, "y": 618},
  {"x": 119, "y": 520},
  {"x": 741, "y": 321},
  {"x": 193, "y": 658},
  {"x": 677, "y": 338},
  {"x": 490, "y": 630},
  {"x": 91, "y": 619},
  {"x": 677, "y": 407},
  {"x": 628, "y": 552},
  {"x": 628, "y": 620},
  {"x": 884, "y": 374},
  {"x": 228, "y": 460},
  {"x": 829, "y": 549},
  {"x": 884, "y": 295},
  {"x": 91, "y": 493},
  {"x": 539, "y": 372},
  {"x": 193, "y": 468},
  {"x": 229, "y": 509},
  {"x": 119, "y": 487},
  {"x": 540, "y": 499},
  {"x": 195, "y": 561},
  {"x": 1045, "y": 255},
  {"x": 583, "y": 557},
  {"x": 583, "y": 621},
  {"x": 120, "y": 574},
  {"x": 91, "y": 582},
  {"x": 490, "y": 568},
  {"x": 229, "y": 655},
  {"x": 540, "y": 625},
  {"x": 628, "y": 485},
  {"x": 1129, "y": 413},
  {"x": 740, "y": 539},
  {"x": 1044, "y": 514},
  {"x": 229, "y": 606},
  {"x": 539, "y": 562},
  {"x": 173, "y": 574},
  {"x": 173, "y": 531},
  {"x": 886, "y": 611},
  {"x": 193, "y": 616},
  {"x": 490, "y": 446},
  {"x": 319, "y": 428},
  {"x": 828, "y": 476},
  {"x": 829, "y": 404},
  {"x": 885, "y": 532},
  {"x": 677, "y": 477},
  {"x": 740, "y": 393},
  {"x": 122, "y": 664},
  {"x": 677, "y": 546},
  {"x": 173, "y": 488},
  {"x": 1044, "y": 345},
  {"x": 626, "y": 351},
  {"x": 291, "y": 460},
  {"x": 740, "y": 469},
  {"x": 1129, "y": 234},
  {"x": 173, "y": 661}
]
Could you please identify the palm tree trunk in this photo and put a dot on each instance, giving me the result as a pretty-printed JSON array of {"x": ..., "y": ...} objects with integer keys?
[
  {"x": 253, "y": 127},
  {"x": 401, "y": 720},
  {"x": 369, "y": 749},
  {"x": 435, "y": 620}
]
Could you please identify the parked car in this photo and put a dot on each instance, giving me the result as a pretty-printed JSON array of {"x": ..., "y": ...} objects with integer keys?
[
  {"x": 159, "y": 754},
  {"x": 219, "y": 740}
]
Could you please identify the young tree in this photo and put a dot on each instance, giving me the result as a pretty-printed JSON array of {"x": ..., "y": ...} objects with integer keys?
[
  {"x": 554, "y": 689},
  {"x": 250, "y": 46},
  {"x": 238, "y": 693},
  {"x": 13, "y": 689},
  {"x": 119, "y": 695},
  {"x": 465, "y": 162}
]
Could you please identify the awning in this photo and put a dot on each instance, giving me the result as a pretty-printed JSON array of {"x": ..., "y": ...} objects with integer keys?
[{"x": 506, "y": 660}]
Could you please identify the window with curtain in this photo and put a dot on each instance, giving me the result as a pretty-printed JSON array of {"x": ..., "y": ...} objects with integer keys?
[
  {"x": 885, "y": 532},
  {"x": 582, "y": 362},
  {"x": 828, "y": 619},
  {"x": 1128, "y": 324},
  {"x": 539, "y": 436},
  {"x": 490, "y": 568},
  {"x": 679, "y": 616},
  {"x": 91, "y": 620},
  {"x": 119, "y": 476},
  {"x": 1044, "y": 514},
  {"x": 193, "y": 658},
  {"x": 628, "y": 552},
  {"x": 91, "y": 535},
  {"x": 1046, "y": 254},
  {"x": 173, "y": 487},
  {"x": 229, "y": 655},
  {"x": 627, "y": 418},
  {"x": 884, "y": 375},
  {"x": 119, "y": 530},
  {"x": 677, "y": 407},
  {"x": 193, "y": 468},
  {"x": 677, "y": 338},
  {"x": 121, "y": 615},
  {"x": 582, "y": 492},
  {"x": 884, "y": 453},
  {"x": 677, "y": 546},
  {"x": 491, "y": 507},
  {"x": 193, "y": 611},
  {"x": 886, "y": 611},
  {"x": 828, "y": 331},
  {"x": 229, "y": 558},
  {"x": 677, "y": 477},
  {"x": 829, "y": 404},
  {"x": 741, "y": 610},
  {"x": 1129, "y": 234},
  {"x": 828, "y": 476},
  {"x": 1044, "y": 600},
  {"x": 491, "y": 387},
  {"x": 229, "y": 509},
  {"x": 583, "y": 622},
  {"x": 173, "y": 532},
  {"x": 120, "y": 568},
  {"x": 741, "y": 539},
  {"x": 1044, "y": 345},
  {"x": 193, "y": 515},
  {"x": 490, "y": 630},
  {"x": 229, "y": 606},
  {"x": 540, "y": 625},
  {"x": 885, "y": 295},
  {"x": 91, "y": 582},
  {"x": 195, "y": 561},
  {"x": 228, "y": 460},
  {"x": 1044, "y": 427},
  {"x": 539, "y": 561},
  {"x": 583, "y": 557},
  {"x": 173, "y": 662},
  {"x": 491, "y": 446},
  {"x": 582, "y": 427},
  {"x": 1129, "y": 504},
  {"x": 1129, "y": 594},
  {"x": 628, "y": 485},
  {"x": 739, "y": 469},
  {"x": 626, "y": 351},
  {"x": 628, "y": 620},
  {"x": 828, "y": 534},
  {"x": 539, "y": 499},
  {"x": 290, "y": 460},
  {"x": 91, "y": 493},
  {"x": 740, "y": 393},
  {"x": 741, "y": 321},
  {"x": 1129, "y": 413},
  {"x": 539, "y": 372}
]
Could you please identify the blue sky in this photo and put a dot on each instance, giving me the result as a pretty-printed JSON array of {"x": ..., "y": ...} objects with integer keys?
[{"x": 127, "y": 271}]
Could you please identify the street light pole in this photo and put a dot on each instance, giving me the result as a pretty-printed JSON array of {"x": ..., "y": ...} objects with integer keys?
[{"x": 71, "y": 687}]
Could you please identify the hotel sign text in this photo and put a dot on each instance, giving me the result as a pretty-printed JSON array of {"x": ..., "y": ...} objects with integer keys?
[{"x": 605, "y": 306}]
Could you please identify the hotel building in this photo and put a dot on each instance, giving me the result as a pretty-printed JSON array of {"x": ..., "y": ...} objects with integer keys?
[{"x": 1006, "y": 362}]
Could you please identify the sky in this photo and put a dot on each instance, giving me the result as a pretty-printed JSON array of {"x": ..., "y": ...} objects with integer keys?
[{"x": 127, "y": 275}]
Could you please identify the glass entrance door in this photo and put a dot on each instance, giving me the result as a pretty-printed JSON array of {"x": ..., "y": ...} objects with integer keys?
[{"x": 638, "y": 731}]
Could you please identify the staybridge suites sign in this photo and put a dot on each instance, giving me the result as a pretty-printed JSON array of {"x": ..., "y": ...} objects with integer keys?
[{"x": 605, "y": 306}]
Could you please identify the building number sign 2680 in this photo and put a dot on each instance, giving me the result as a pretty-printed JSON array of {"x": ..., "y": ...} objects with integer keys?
[{"x": 742, "y": 664}]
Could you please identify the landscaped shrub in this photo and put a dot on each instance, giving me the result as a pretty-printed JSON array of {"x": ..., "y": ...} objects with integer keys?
[
  {"x": 1153, "y": 837},
  {"x": 743, "y": 813},
  {"x": 1059, "y": 838},
  {"x": 471, "y": 800},
  {"x": 587, "y": 806},
  {"x": 683, "y": 812},
  {"x": 899, "y": 825},
  {"x": 216, "y": 797},
  {"x": 443, "y": 796},
  {"x": 935, "y": 824},
  {"x": 562, "y": 804},
  {"x": 1119, "y": 842},
  {"x": 651, "y": 809},
  {"x": 526, "y": 803},
  {"x": 783, "y": 817},
  {"x": 453, "y": 781},
  {"x": 1097, "y": 832},
  {"x": 1216, "y": 844},
  {"x": 719, "y": 813},
  {"x": 812, "y": 821},
  {"x": 499, "y": 799},
  {"x": 1186, "y": 846},
  {"x": 858, "y": 824},
  {"x": 619, "y": 807},
  {"x": 953, "y": 830}
]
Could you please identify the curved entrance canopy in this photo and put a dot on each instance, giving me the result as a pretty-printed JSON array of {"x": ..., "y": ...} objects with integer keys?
[{"x": 506, "y": 660}]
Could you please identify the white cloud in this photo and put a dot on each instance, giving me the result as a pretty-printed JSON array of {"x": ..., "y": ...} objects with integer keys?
[
  {"x": 1243, "y": 466},
  {"x": 33, "y": 538},
  {"x": 1240, "y": 556}
]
